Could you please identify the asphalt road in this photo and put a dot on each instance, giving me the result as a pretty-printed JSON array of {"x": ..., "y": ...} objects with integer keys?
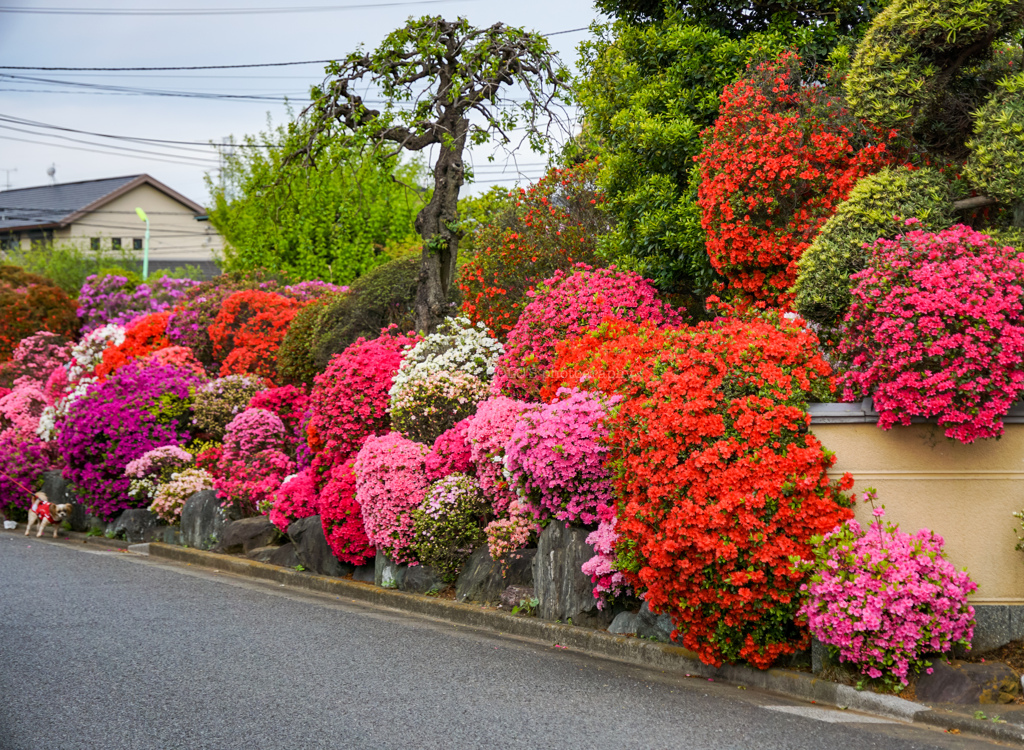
[{"x": 111, "y": 650}]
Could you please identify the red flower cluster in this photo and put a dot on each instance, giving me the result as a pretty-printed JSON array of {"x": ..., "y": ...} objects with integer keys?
[
  {"x": 545, "y": 239},
  {"x": 781, "y": 157},
  {"x": 719, "y": 482},
  {"x": 142, "y": 337},
  {"x": 288, "y": 402},
  {"x": 342, "y": 518},
  {"x": 248, "y": 331}
]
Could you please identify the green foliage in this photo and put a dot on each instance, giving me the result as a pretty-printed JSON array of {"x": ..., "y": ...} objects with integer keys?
[
  {"x": 996, "y": 165},
  {"x": 648, "y": 93},
  {"x": 327, "y": 223},
  {"x": 295, "y": 364},
  {"x": 384, "y": 296},
  {"x": 876, "y": 207},
  {"x": 67, "y": 265},
  {"x": 925, "y": 65}
]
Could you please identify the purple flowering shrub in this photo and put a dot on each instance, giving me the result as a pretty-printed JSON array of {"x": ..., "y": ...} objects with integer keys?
[
  {"x": 306, "y": 291},
  {"x": 140, "y": 407},
  {"x": 447, "y": 525},
  {"x": 556, "y": 456},
  {"x": 110, "y": 298},
  {"x": 883, "y": 598},
  {"x": 391, "y": 482}
]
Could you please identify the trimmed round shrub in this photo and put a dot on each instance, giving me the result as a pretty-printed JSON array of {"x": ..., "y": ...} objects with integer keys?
[
  {"x": 451, "y": 453},
  {"x": 447, "y": 524},
  {"x": 512, "y": 531},
  {"x": 295, "y": 364},
  {"x": 391, "y": 482},
  {"x": 294, "y": 500},
  {"x": 884, "y": 599},
  {"x": 142, "y": 336},
  {"x": 876, "y": 208},
  {"x": 557, "y": 453},
  {"x": 219, "y": 401},
  {"x": 30, "y": 304},
  {"x": 140, "y": 407},
  {"x": 569, "y": 305},
  {"x": 488, "y": 433},
  {"x": 35, "y": 358},
  {"x": 153, "y": 468},
  {"x": 349, "y": 400},
  {"x": 248, "y": 331},
  {"x": 287, "y": 402},
  {"x": 342, "y": 518},
  {"x": 170, "y": 496},
  {"x": 996, "y": 165},
  {"x": 22, "y": 407},
  {"x": 936, "y": 330}
]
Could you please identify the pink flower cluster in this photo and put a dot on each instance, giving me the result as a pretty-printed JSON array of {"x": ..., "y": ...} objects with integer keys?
[
  {"x": 608, "y": 581},
  {"x": 295, "y": 499},
  {"x": 556, "y": 455},
  {"x": 158, "y": 462},
  {"x": 512, "y": 531},
  {"x": 22, "y": 408},
  {"x": 342, "y": 518},
  {"x": 451, "y": 454},
  {"x": 488, "y": 432},
  {"x": 252, "y": 466},
  {"x": 171, "y": 495},
  {"x": 35, "y": 358},
  {"x": 566, "y": 306},
  {"x": 252, "y": 431},
  {"x": 288, "y": 402},
  {"x": 936, "y": 329},
  {"x": 391, "y": 482},
  {"x": 349, "y": 401},
  {"x": 885, "y": 598}
]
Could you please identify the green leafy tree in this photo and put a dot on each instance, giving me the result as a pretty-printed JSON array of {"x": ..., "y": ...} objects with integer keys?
[
  {"x": 330, "y": 223},
  {"x": 433, "y": 75}
]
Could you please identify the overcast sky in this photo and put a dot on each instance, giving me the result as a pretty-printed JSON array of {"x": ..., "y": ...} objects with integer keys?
[{"x": 47, "y": 38}]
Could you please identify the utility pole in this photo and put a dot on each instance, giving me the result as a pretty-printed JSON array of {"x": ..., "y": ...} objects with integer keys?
[{"x": 8, "y": 179}]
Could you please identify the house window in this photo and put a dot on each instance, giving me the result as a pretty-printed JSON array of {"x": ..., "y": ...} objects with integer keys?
[
  {"x": 137, "y": 243},
  {"x": 94, "y": 243},
  {"x": 10, "y": 242},
  {"x": 115, "y": 243}
]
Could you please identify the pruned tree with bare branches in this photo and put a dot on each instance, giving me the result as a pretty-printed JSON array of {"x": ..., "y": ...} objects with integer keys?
[{"x": 446, "y": 84}]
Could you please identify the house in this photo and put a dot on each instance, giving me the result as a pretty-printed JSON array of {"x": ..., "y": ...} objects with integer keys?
[{"x": 101, "y": 215}]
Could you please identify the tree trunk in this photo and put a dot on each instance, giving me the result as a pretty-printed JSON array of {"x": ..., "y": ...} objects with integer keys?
[{"x": 437, "y": 225}]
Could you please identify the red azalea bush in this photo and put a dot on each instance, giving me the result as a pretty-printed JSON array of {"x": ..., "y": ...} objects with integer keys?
[
  {"x": 248, "y": 331},
  {"x": 555, "y": 223},
  {"x": 569, "y": 305},
  {"x": 451, "y": 453},
  {"x": 294, "y": 499},
  {"x": 30, "y": 304},
  {"x": 349, "y": 401},
  {"x": 142, "y": 337},
  {"x": 720, "y": 484},
  {"x": 936, "y": 329},
  {"x": 342, "y": 518},
  {"x": 391, "y": 482},
  {"x": 783, "y": 154}
]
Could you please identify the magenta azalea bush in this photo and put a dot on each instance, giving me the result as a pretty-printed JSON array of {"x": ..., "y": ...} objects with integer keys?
[
  {"x": 140, "y": 407},
  {"x": 936, "y": 329},
  {"x": 604, "y": 574},
  {"x": 391, "y": 482},
  {"x": 295, "y": 499},
  {"x": 556, "y": 456},
  {"x": 487, "y": 434},
  {"x": 23, "y": 459},
  {"x": 342, "y": 518},
  {"x": 884, "y": 599},
  {"x": 566, "y": 306},
  {"x": 451, "y": 453}
]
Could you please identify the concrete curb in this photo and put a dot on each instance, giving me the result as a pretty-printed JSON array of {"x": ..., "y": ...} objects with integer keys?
[
  {"x": 72, "y": 536},
  {"x": 637, "y": 651}
]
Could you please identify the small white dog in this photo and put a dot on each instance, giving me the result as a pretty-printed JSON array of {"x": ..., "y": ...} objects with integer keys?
[{"x": 45, "y": 512}]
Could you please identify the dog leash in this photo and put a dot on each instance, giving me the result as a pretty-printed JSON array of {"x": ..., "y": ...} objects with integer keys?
[{"x": 17, "y": 483}]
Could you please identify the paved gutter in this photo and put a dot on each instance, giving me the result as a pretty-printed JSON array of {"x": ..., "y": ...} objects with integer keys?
[{"x": 638, "y": 651}]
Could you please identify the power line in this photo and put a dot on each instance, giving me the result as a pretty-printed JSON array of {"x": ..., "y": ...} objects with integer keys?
[
  {"x": 211, "y": 11},
  {"x": 199, "y": 159},
  {"x": 97, "y": 151}
]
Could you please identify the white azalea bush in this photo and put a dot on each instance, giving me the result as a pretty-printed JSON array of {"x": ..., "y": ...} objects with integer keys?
[{"x": 442, "y": 379}]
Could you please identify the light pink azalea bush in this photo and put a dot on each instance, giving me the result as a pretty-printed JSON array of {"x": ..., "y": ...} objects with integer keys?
[
  {"x": 342, "y": 518},
  {"x": 293, "y": 500},
  {"x": 884, "y": 598},
  {"x": 936, "y": 329},
  {"x": 171, "y": 495},
  {"x": 604, "y": 574},
  {"x": 154, "y": 467},
  {"x": 567, "y": 306},
  {"x": 488, "y": 432},
  {"x": 512, "y": 531},
  {"x": 448, "y": 524},
  {"x": 391, "y": 482},
  {"x": 556, "y": 455}
]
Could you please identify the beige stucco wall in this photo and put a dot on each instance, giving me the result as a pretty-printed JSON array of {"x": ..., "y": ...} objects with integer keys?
[
  {"x": 174, "y": 232},
  {"x": 965, "y": 493}
]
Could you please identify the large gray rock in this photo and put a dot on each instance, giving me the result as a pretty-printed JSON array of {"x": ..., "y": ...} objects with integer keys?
[
  {"x": 563, "y": 591},
  {"x": 482, "y": 579},
  {"x": 307, "y": 534},
  {"x": 624, "y": 624},
  {"x": 58, "y": 492},
  {"x": 202, "y": 520},
  {"x": 650, "y": 625},
  {"x": 364, "y": 573},
  {"x": 137, "y": 525},
  {"x": 247, "y": 534},
  {"x": 966, "y": 683},
  {"x": 285, "y": 556},
  {"x": 386, "y": 573},
  {"x": 421, "y": 579}
]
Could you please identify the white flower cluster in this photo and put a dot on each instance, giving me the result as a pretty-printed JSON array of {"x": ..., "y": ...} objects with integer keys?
[
  {"x": 52, "y": 415},
  {"x": 88, "y": 352},
  {"x": 456, "y": 346}
]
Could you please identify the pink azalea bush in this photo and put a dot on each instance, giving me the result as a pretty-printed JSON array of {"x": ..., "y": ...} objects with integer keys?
[
  {"x": 294, "y": 499},
  {"x": 152, "y": 468},
  {"x": 556, "y": 455},
  {"x": 451, "y": 453},
  {"x": 170, "y": 496},
  {"x": 936, "y": 329},
  {"x": 512, "y": 531},
  {"x": 342, "y": 518},
  {"x": 447, "y": 525},
  {"x": 884, "y": 599},
  {"x": 35, "y": 358},
  {"x": 569, "y": 305},
  {"x": 488, "y": 432},
  {"x": 349, "y": 401},
  {"x": 391, "y": 482},
  {"x": 252, "y": 465},
  {"x": 23, "y": 407},
  {"x": 288, "y": 402},
  {"x": 604, "y": 574}
]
